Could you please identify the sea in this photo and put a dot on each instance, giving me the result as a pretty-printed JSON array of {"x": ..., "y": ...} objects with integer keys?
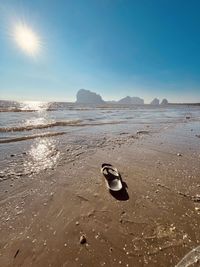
[{"x": 36, "y": 136}]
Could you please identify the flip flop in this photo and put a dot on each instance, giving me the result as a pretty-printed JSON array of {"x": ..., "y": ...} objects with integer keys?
[{"x": 112, "y": 177}]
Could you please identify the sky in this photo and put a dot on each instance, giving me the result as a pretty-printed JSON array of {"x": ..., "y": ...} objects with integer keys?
[{"x": 145, "y": 48}]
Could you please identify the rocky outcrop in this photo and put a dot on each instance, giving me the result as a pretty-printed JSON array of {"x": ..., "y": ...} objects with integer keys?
[
  {"x": 125, "y": 100},
  {"x": 155, "y": 102},
  {"x": 164, "y": 102},
  {"x": 137, "y": 100},
  {"x": 131, "y": 101},
  {"x": 87, "y": 97}
]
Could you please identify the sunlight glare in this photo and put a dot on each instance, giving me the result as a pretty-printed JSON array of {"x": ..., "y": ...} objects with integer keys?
[
  {"x": 34, "y": 105},
  {"x": 26, "y": 39}
]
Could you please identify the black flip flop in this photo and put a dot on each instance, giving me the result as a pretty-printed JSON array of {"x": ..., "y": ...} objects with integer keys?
[{"x": 112, "y": 177}]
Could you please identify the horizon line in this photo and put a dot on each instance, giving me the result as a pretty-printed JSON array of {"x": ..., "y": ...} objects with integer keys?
[{"x": 106, "y": 102}]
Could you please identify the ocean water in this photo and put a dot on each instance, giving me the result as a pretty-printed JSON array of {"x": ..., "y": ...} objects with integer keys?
[{"x": 35, "y": 136}]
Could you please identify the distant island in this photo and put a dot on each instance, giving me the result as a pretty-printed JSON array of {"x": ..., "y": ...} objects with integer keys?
[
  {"x": 88, "y": 97},
  {"x": 131, "y": 100},
  {"x": 155, "y": 102},
  {"x": 84, "y": 96},
  {"x": 164, "y": 102}
]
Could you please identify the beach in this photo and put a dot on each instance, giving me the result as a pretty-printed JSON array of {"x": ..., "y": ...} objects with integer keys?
[
  {"x": 53, "y": 193},
  {"x": 99, "y": 133}
]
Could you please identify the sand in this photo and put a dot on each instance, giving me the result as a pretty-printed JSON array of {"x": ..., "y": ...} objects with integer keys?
[{"x": 154, "y": 221}]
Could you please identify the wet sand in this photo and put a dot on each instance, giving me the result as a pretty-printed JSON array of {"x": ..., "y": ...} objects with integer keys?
[{"x": 154, "y": 221}]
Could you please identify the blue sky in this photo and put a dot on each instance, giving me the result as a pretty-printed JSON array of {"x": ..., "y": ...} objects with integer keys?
[{"x": 146, "y": 48}]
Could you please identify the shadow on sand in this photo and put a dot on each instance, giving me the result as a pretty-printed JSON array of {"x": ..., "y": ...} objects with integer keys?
[{"x": 121, "y": 195}]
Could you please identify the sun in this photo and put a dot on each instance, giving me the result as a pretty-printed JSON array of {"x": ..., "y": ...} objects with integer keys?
[{"x": 27, "y": 39}]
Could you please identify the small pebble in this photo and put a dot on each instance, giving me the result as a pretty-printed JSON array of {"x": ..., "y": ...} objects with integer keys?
[
  {"x": 19, "y": 212},
  {"x": 83, "y": 240},
  {"x": 179, "y": 154}
]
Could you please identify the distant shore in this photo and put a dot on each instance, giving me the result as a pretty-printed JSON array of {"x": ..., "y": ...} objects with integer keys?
[{"x": 106, "y": 103}]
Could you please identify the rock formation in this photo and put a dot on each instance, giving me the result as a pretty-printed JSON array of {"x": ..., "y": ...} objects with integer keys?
[
  {"x": 164, "y": 102},
  {"x": 87, "y": 97},
  {"x": 155, "y": 102},
  {"x": 131, "y": 101}
]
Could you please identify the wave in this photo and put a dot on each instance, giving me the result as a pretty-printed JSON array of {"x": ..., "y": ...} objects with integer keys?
[
  {"x": 33, "y": 110},
  {"x": 39, "y": 126},
  {"x": 16, "y": 110},
  {"x": 54, "y": 124},
  {"x": 51, "y": 109},
  {"x": 23, "y": 138}
]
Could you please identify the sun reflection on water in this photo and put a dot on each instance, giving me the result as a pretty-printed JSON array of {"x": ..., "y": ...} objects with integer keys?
[
  {"x": 34, "y": 105},
  {"x": 36, "y": 121},
  {"x": 42, "y": 155}
]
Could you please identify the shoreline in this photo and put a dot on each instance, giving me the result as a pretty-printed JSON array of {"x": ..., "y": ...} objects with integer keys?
[{"x": 153, "y": 223}]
